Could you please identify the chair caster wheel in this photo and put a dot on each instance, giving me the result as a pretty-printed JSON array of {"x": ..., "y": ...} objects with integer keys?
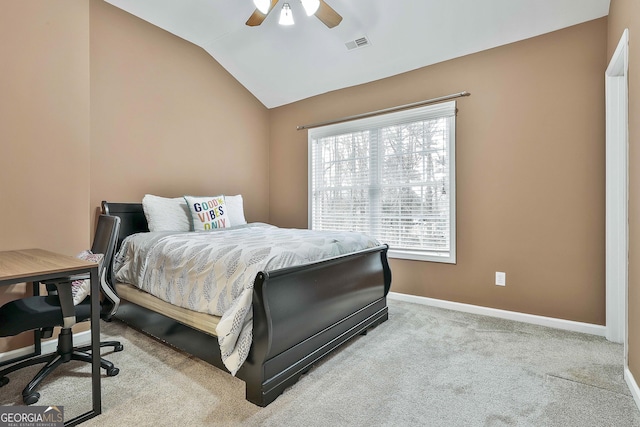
[
  {"x": 118, "y": 348},
  {"x": 30, "y": 399},
  {"x": 113, "y": 372},
  {"x": 4, "y": 381}
]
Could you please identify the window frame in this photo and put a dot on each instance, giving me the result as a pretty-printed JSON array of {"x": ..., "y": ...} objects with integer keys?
[{"x": 444, "y": 109}]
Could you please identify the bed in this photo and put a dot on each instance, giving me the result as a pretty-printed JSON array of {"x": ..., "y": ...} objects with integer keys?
[{"x": 300, "y": 314}]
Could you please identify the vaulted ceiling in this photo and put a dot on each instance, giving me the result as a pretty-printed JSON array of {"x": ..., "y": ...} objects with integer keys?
[{"x": 283, "y": 64}]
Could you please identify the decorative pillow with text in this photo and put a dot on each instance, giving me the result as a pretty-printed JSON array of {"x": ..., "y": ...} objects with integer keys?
[{"x": 208, "y": 213}]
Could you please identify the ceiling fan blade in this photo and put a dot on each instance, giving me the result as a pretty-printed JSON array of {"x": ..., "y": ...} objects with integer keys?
[
  {"x": 258, "y": 17},
  {"x": 327, "y": 15}
]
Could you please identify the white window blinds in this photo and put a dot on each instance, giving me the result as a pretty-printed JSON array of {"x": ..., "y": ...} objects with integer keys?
[{"x": 390, "y": 176}]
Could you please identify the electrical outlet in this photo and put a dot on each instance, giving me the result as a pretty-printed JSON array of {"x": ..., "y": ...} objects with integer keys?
[{"x": 501, "y": 278}]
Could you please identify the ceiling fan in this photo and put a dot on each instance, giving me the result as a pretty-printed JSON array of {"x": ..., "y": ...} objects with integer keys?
[{"x": 319, "y": 8}]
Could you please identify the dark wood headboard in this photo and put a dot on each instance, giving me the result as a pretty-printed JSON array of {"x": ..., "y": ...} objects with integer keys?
[{"x": 132, "y": 219}]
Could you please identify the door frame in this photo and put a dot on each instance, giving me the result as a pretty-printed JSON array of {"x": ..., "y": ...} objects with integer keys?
[{"x": 617, "y": 192}]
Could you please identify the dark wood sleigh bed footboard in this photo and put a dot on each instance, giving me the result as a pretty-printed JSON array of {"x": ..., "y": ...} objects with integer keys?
[{"x": 300, "y": 314}]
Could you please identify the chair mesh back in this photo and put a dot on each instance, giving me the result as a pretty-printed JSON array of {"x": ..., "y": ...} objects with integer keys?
[{"x": 104, "y": 242}]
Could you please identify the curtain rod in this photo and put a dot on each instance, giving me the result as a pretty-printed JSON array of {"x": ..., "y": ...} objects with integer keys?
[{"x": 386, "y": 110}]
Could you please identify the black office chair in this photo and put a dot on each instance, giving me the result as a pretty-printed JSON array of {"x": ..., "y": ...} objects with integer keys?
[{"x": 45, "y": 312}]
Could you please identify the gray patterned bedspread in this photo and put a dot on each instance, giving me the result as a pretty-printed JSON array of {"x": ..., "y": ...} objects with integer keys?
[{"x": 213, "y": 271}]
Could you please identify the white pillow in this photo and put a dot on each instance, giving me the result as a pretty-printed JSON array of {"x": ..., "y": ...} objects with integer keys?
[
  {"x": 164, "y": 214},
  {"x": 235, "y": 209},
  {"x": 208, "y": 213}
]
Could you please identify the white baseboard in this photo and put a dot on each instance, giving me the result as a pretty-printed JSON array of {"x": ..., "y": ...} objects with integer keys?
[
  {"x": 50, "y": 346},
  {"x": 633, "y": 385},
  {"x": 569, "y": 325}
]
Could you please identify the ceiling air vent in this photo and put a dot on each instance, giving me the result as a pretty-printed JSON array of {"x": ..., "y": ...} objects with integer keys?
[{"x": 358, "y": 43}]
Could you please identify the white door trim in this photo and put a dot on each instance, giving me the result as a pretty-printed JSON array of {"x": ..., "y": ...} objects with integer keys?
[{"x": 617, "y": 141}]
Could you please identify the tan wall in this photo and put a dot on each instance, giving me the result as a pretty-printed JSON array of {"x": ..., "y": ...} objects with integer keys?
[
  {"x": 167, "y": 119},
  {"x": 626, "y": 14},
  {"x": 44, "y": 131},
  {"x": 44, "y": 125},
  {"x": 530, "y": 172}
]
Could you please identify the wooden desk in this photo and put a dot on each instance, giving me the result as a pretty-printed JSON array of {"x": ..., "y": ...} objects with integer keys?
[{"x": 34, "y": 265}]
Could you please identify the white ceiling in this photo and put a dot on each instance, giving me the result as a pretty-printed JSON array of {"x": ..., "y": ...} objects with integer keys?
[{"x": 280, "y": 65}]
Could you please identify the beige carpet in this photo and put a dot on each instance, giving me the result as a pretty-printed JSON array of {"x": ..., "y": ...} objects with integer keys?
[{"x": 424, "y": 367}]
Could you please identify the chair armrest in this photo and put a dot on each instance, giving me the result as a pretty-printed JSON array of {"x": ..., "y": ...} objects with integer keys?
[
  {"x": 66, "y": 279},
  {"x": 66, "y": 304},
  {"x": 52, "y": 284}
]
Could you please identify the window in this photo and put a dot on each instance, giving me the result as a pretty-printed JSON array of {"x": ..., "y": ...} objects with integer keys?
[{"x": 391, "y": 176}]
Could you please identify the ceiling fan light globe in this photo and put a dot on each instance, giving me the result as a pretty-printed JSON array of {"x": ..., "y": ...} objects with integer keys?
[
  {"x": 310, "y": 6},
  {"x": 286, "y": 17},
  {"x": 262, "y": 5}
]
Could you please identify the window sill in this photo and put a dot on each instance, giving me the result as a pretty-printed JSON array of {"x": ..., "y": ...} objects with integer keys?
[{"x": 422, "y": 256}]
